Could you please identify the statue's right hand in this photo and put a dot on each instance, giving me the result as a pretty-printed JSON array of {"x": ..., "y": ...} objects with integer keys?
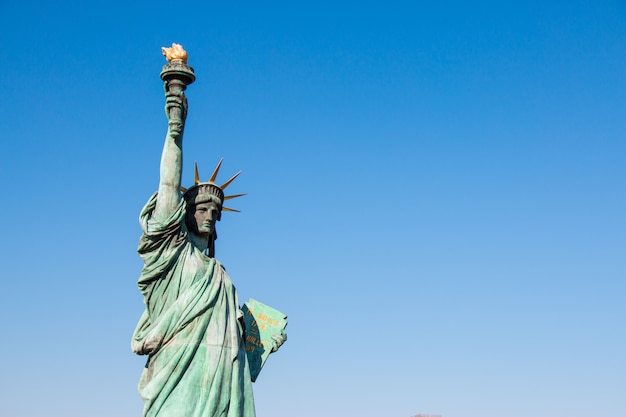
[{"x": 176, "y": 111}]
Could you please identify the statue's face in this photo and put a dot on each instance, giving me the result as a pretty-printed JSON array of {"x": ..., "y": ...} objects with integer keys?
[{"x": 205, "y": 216}]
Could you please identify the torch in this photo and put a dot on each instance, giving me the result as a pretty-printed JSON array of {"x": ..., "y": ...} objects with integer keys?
[{"x": 177, "y": 76}]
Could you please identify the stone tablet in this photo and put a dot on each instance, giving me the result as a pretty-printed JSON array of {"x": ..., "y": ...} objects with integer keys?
[{"x": 262, "y": 322}]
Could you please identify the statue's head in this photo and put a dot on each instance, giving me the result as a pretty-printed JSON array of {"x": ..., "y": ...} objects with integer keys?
[
  {"x": 205, "y": 204},
  {"x": 202, "y": 215}
]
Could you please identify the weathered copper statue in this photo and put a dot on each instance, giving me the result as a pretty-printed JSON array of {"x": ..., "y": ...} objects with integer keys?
[{"x": 192, "y": 328}]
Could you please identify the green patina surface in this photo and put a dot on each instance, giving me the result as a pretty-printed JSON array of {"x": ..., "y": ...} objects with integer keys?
[
  {"x": 264, "y": 328},
  {"x": 192, "y": 327}
]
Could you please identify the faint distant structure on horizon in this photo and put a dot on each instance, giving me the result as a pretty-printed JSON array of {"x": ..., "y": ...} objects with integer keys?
[{"x": 427, "y": 415}]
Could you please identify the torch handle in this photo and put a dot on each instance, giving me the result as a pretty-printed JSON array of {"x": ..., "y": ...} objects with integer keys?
[{"x": 177, "y": 87}]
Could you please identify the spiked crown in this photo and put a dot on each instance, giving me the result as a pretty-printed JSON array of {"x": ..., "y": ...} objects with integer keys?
[{"x": 201, "y": 192}]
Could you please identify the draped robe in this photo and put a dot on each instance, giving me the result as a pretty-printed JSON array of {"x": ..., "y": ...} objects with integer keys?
[{"x": 190, "y": 330}]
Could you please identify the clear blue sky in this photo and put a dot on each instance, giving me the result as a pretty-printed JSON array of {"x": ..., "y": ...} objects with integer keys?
[{"x": 435, "y": 198}]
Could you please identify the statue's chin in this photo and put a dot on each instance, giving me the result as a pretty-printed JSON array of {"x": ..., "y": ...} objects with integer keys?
[{"x": 193, "y": 229}]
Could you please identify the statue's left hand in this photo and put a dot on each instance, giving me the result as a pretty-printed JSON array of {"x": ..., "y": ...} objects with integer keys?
[{"x": 279, "y": 339}]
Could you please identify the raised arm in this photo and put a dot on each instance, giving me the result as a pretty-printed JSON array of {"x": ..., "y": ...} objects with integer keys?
[
  {"x": 172, "y": 156},
  {"x": 177, "y": 76}
]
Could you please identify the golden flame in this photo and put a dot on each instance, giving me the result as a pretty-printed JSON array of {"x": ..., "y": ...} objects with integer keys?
[{"x": 175, "y": 53}]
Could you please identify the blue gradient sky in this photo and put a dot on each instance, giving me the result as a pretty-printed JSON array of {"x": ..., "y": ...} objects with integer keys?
[{"x": 435, "y": 198}]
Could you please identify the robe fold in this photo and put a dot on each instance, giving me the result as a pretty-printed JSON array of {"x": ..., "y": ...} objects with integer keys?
[{"x": 190, "y": 330}]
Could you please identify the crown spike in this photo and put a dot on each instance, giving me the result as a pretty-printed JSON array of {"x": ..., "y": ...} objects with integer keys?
[
  {"x": 227, "y": 183},
  {"x": 230, "y": 209},
  {"x": 228, "y": 197},
  {"x": 199, "y": 190},
  {"x": 217, "y": 169},
  {"x": 196, "y": 177}
]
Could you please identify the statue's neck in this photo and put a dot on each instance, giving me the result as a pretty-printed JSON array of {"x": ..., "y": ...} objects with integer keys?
[{"x": 201, "y": 243}]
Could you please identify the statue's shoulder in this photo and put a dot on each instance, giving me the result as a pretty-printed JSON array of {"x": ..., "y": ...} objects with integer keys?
[{"x": 221, "y": 268}]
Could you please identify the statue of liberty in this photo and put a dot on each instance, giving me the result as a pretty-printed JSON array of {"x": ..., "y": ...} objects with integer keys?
[{"x": 192, "y": 329}]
